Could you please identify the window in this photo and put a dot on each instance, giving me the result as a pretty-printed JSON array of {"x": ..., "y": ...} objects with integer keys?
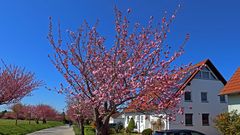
[
  {"x": 127, "y": 119},
  {"x": 212, "y": 77},
  {"x": 141, "y": 119},
  {"x": 222, "y": 99},
  {"x": 205, "y": 68},
  {"x": 204, "y": 97},
  {"x": 206, "y": 74},
  {"x": 188, "y": 119},
  {"x": 205, "y": 119},
  {"x": 138, "y": 118},
  {"x": 187, "y": 96},
  {"x": 198, "y": 75}
]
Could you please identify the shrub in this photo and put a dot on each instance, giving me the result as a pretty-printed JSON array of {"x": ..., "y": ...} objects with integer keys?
[
  {"x": 147, "y": 131},
  {"x": 122, "y": 130},
  {"x": 89, "y": 129},
  {"x": 131, "y": 125},
  {"x": 111, "y": 131},
  {"x": 228, "y": 123},
  {"x": 119, "y": 127},
  {"x": 127, "y": 130},
  {"x": 93, "y": 125}
]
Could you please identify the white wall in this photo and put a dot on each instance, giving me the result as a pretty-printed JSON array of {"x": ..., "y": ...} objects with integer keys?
[
  {"x": 234, "y": 102},
  {"x": 140, "y": 124},
  {"x": 213, "y": 106},
  {"x": 144, "y": 123}
]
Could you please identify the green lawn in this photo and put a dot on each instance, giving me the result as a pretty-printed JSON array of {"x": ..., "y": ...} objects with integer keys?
[
  {"x": 8, "y": 127},
  {"x": 88, "y": 131}
]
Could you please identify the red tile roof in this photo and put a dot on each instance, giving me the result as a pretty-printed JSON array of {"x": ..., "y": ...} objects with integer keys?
[
  {"x": 130, "y": 109},
  {"x": 233, "y": 85}
]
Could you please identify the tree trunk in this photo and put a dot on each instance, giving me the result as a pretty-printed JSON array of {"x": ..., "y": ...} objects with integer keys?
[
  {"x": 81, "y": 126},
  {"x": 102, "y": 125},
  {"x": 103, "y": 128},
  {"x": 16, "y": 122},
  {"x": 44, "y": 121},
  {"x": 29, "y": 121},
  {"x": 37, "y": 121}
]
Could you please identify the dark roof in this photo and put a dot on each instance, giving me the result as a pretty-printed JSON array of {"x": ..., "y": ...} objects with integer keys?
[
  {"x": 233, "y": 85},
  {"x": 116, "y": 115}
]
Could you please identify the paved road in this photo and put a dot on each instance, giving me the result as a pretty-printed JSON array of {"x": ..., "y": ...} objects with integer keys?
[{"x": 62, "y": 130}]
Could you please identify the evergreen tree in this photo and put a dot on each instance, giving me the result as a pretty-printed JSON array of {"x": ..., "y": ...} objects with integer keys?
[{"x": 131, "y": 125}]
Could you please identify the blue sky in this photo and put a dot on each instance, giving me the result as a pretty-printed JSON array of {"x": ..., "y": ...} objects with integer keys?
[{"x": 213, "y": 26}]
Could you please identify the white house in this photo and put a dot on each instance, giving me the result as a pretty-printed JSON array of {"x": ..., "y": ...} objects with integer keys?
[
  {"x": 144, "y": 121},
  {"x": 201, "y": 102},
  {"x": 232, "y": 90}
]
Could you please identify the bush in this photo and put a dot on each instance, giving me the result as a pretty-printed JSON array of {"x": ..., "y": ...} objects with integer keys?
[
  {"x": 89, "y": 129},
  {"x": 119, "y": 127},
  {"x": 228, "y": 123},
  {"x": 93, "y": 125},
  {"x": 127, "y": 130},
  {"x": 131, "y": 125},
  {"x": 147, "y": 131},
  {"x": 111, "y": 131},
  {"x": 121, "y": 131}
]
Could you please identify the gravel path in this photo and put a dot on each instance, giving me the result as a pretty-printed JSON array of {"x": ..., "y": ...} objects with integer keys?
[{"x": 61, "y": 130}]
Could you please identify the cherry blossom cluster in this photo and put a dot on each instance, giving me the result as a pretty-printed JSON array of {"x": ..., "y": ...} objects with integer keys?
[{"x": 138, "y": 68}]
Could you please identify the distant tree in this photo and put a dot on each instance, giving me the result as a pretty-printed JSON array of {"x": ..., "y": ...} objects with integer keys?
[
  {"x": 36, "y": 113},
  {"x": 79, "y": 111},
  {"x": 131, "y": 125},
  {"x": 44, "y": 112},
  {"x": 28, "y": 112},
  {"x": 9, "y": 115},
  {"x": 16, "y": 83},
  {"x": 47, "y": 112},
  {"x": 228, "y": 123},
  {"x": 18, "y": 111},
  {"x": 64, "y": 118},
  {"x": 2, "y": 113}
]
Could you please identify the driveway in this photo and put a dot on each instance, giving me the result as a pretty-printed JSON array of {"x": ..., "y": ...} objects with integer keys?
[{"x": 61, "y": 130}]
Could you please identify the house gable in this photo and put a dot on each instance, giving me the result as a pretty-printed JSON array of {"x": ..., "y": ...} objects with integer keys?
[{"x": 196, "y": 69}]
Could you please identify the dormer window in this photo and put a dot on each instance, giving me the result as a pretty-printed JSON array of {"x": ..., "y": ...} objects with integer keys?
[{"x": 205, "y": 74}]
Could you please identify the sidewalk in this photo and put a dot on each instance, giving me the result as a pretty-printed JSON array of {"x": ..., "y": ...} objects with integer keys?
[{"x": 61, "y": 130}]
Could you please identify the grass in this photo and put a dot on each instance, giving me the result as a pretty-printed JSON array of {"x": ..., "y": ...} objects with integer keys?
[
  {"x": 89, "y": 131},
  {"x": 8, "y": 127}
]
